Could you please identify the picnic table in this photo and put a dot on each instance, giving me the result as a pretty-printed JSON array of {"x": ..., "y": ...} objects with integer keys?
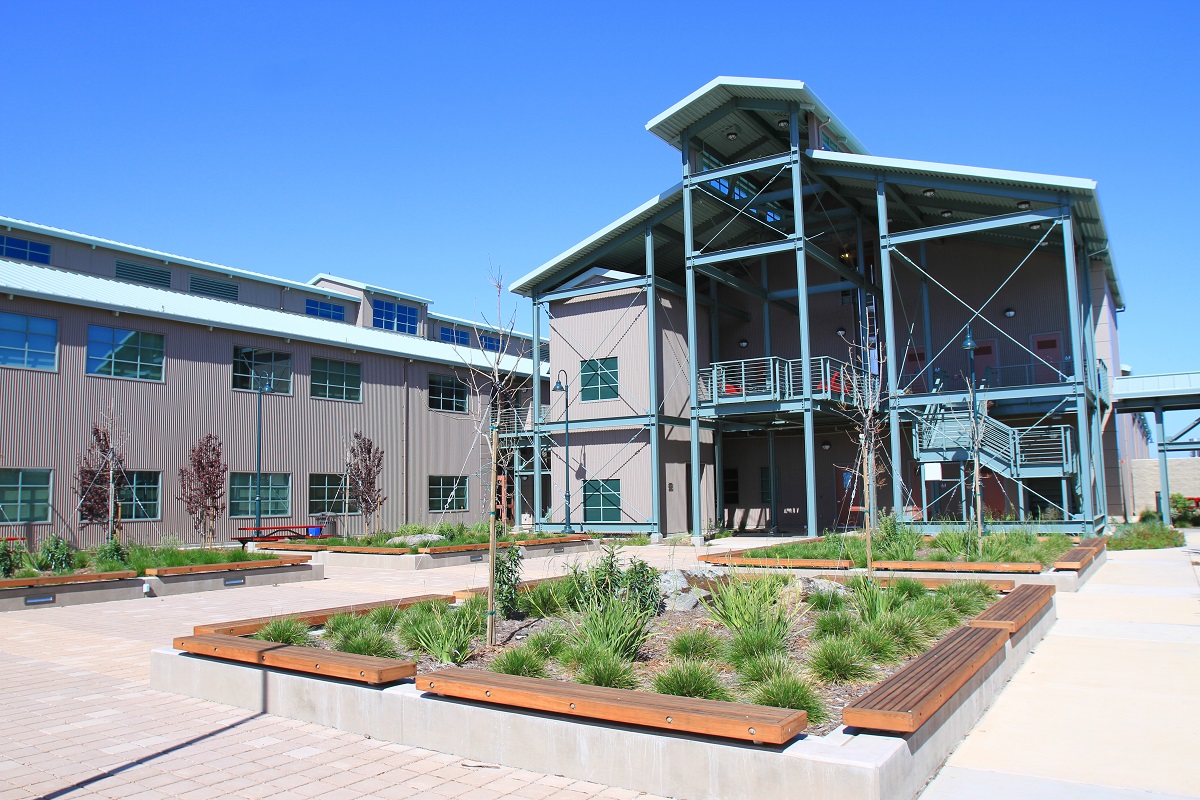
[{"x": 279, "y": 533}]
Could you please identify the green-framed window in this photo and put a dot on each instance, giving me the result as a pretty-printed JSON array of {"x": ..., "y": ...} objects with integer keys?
[
  {"x": 29, "y": 342},
  {"x": 602, "y": 501},
  {"x": 729, "y": 486},
  {"x": 447, "y": 493},
  {"x": 276, "y": 494},
  {"x": 764, "y": 481},
  {"x": 140, "y": 495},
  {"x": 120, "y": 353},
  {"x": 328, "y": 494},
  {"x": 25, "y": 495},
  {"x": 598, "y": 379},
  {"x": 447, "y": 393},
  {"x": 250, "y": 365},
  {"x": 336, "y": 380}
]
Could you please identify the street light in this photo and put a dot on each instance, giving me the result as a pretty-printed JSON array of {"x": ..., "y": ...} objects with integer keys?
[
  {"x": 265, "y": 384},
  {"x": 560, "y": 385},
  {"x": 970, "y": 346}
]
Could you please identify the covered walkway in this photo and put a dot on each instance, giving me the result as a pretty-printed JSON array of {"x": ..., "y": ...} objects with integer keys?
[{"x": 1174, "y": 391}]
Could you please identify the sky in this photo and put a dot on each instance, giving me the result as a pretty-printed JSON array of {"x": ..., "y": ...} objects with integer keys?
[{"x": 420, "y": 146}]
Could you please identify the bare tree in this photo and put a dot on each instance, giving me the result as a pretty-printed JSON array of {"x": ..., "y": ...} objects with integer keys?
[
  {"x": 364, "y": 466},
  {"x": 100, "y": 478},
  {"x": 202, "y": 486}
]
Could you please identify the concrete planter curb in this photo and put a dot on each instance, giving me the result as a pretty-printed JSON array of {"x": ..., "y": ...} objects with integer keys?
[
  {"x": 845, "y": 764},
  {"x": 408, "y": 561}
]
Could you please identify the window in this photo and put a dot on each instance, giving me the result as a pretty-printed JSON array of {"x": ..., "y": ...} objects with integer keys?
[
  {"x": 139, "y": 495},
  {"x": 489, "y": 342},
  {"x": 143, "y": 273},
  {"x": 222, "y": 290},
  {"x": 120, "y": 353},
  {"x": 447, "y": 394},
  {"x": 544, "y": 351},
  {"x": 447, "y": 493},
  {"x": 12, "y": 247},
  {"x": 598, "y": 379},
  {"x": 602, "y": 501},
  {"x": 729, "y": 487},
  {"x": 250, "y": 365},
  {"x": 395, "y": 317},
  {"x": 327, "y": 494},
  {"x": 455, "y": 336},
  {"x": 764, "y": 479},
  {"x": 30, "y": 342},
  {"x": 336, "y": 380},
  {"x": 276, "y": 494},
  {"x": 319, "y": 308},
  {"x": 24, "y": 495}
]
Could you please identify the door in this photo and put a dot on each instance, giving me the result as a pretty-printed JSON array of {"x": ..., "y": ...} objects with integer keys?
[
  {"x": 849, "y": 498},
  {"x": 914, "y": 371},
  {"x": 1047, "y": 347},
  {"x": 987, "y": 374}
]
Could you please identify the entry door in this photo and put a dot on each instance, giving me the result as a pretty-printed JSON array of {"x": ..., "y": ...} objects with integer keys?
[
  {"x": 987, "y": 376},
  {"x": 849, "y": 497},
  {"x": 914, "y": 371},
  {"x": 1048, "y": 347}
]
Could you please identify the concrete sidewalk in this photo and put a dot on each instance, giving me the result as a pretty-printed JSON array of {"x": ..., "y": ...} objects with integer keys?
[{"x": 1107, "y": 707}]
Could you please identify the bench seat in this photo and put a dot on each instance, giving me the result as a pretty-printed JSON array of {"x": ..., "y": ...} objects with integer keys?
[
  {"x": 1077, "y": 558},
  {"x": 192, "y": 569},
  {"x": 243, "y": 627},
  {"x": 667, "y": 712},
  {"x": 1013, "y": 612},
  {"x": 312, "y": 660},
  {"x": 906, "y": 700},
  {"x": 959, "y": 566},
  {"x": 999, "y": 584},
  {"x": 63, "y": 580}
]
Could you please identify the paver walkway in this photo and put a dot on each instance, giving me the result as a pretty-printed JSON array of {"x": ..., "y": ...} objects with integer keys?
[
  {"x": 1107, "y": 707},
  {"x": 78, "y": 719}
]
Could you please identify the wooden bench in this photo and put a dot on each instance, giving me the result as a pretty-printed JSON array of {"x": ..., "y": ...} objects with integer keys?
[
  {"x": 63, "y": 580},
  {"x": 1077, "y": 558},
  {"x": 311, "y": 660},
  {"x": 243, "y": 627},
  {"x": 1015, "y": 610},
  {"x": 460, "y": 548},
  {"x": 192, "y": 569},
  {"x": 999, "y": 584},
  {"x": 666, "y": 712},
  {"x": 787, "y": 563},
  {"x": 959, "y": 566},
  {"x": 904, "y": 702}
]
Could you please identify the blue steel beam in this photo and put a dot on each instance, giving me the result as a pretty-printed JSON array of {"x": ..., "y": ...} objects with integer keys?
[
  {"x": 612, "y": 286},
  {"x": 889, "y": 316},
  {"x": 537, "y": 417},
  {"x": 976, "y": 225},
  {"x": 653, "y": 339},
  {"x": 739, "y": 168},
  {"x": 751, "y": 251},
  {"x": 1083, "y": 428},
  {"x": 810, "y": 444},
  {"x": 739, "y": 284},
  {"x": 693, "y": 338},
  {"x": 926, "y": 182}
]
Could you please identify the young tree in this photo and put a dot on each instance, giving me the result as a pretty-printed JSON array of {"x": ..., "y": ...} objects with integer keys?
[
  {"x": 364, "y": 465},
  {"x": 100, "y": 478},
  {"x": 202, "y": 486}
]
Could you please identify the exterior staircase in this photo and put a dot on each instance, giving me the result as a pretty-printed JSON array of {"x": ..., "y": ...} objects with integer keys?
[{"x": 944, "y": 433}]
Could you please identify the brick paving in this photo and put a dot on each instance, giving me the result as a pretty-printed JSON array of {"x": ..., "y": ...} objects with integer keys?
[{"x": 78, "y": 719}]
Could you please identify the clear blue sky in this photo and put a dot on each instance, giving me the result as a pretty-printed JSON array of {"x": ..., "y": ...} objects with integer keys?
[{"x": 411, "y": 146}]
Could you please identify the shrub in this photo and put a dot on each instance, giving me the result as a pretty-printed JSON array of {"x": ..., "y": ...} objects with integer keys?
[
  {"x": 953, "y": 541},
  {"x": 881, "y": 647},
  {"x": 764, "y": 667},
  {"x": 907, "y": 589},
  {"x": 688, "y": 678},
  {"x": 385, "y": 618},
  {"x": 11, "y": 559},
  {"x": 618, "y": 626},
  {"x": 1145, "y": 535},
  {"x": 525, "y": 660},
  {"x": 840, "y": 660},
  {"x": 443, "y": 632},
  {"x": 598, "y": 666},
  {"x": 370, "y": 641},
  {"x": 550, "y": 641},
  {"x": 832, "y": 623},
  {"x": 638, "y": 540},
  {"x": 896, "y": 542},
  {"x": 343, "y": 626},
  {"x": 934, "y": 614},
  {"x": 542, "y": 599},
  {"x": 791, "y": 691},
  {"x": 751, "y": 603},
  {"x": 753, "y": 643},
  {"x": 698, "y": 645},
  {"x": 642, "y": 586},
  {"x": 284, "y": 630},
  {"x": 113, "y": 550},
  {"x": 508, "y": 580},
  {"x": 826, "y": 600},
  {"x": 966, "y": 596},
  {"x": 871, "y": 601},
  {"x": 55, "y": 555},
  {"x": 414, "y": 618},
  {"x": 905, "y": 629}
]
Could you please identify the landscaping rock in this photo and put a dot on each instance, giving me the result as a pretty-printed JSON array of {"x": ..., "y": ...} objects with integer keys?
[
  {"x": 685, "y": 601},
  {"x": 673, "y": 582},
  {"x": 822, "y": 585},
  {"x": 706, "y": 572},
  {"x": 416, "y": 540}
]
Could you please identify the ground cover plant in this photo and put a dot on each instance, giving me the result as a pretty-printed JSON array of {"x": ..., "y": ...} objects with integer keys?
[
  {"x": 55, "y": 556},
  {"x": 411, "y": 538},
  {"x": 1150, "y": 535}
]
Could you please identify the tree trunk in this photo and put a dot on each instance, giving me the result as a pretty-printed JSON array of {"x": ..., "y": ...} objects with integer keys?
[{"x": 491, "y": 609}]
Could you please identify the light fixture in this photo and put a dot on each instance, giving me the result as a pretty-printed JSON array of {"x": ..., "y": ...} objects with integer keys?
[
  {"x": 969, "y": 342},
  {"x": 1035, "y": 226},
  {"x": 826, "y": 445},
  {"x": 743, "y": 343},
  {"x": 1023, "y": 205},
  {"x": 732, "y": 134},
  {"x": 947, "y": 214},
  {"x": 783, "y": 123},
  {"x": 929, "y": 192},
  {"x": 558, "y": 387},
  {"x": 1010, "y": 312},
  {"x": 841, "y": 331}
]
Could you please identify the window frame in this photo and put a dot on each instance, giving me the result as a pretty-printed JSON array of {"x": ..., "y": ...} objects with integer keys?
[
  {"x": 601, "y": 489},
  {"x": 274, "y": 379},
  {"x": 461, "y": 482},
  {"x": 457, "y": 337},
  {"x": 266, "y": 501},
  {"x": 734, "y": 498},
  {"x": 129, "y": 486},
  {"x": 57, "y": 342},
  {"x": 490, "y": 343},
  {"x": 4, "y": 520},
  {"x": 335, "y": 309},
  {"x": 312, "y": 380},
  {"x": 87, "y": 356},
  {"x": 349, "y": 504},
  {"x": 598, "y": 369},
  {"x": 380, "y": 308},
  {"x": 28, "y": 249},
  {"x": 466, "y": 401}
]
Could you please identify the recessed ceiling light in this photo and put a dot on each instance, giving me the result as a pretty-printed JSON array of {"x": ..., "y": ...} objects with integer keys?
[
  {"x": 1035, "y": 226},
  {"x": 783, "y": 123},
  {"x": 947, "y": 213},
  {"x": 929, "y": 192},
  {"x": 1010, "y": 312},
  {"x": 731, "y": 135},
  {"x": 1023, "y": 205}
]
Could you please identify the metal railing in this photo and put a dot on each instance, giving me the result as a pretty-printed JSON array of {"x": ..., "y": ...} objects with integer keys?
[
  {"x": 774, "y": 379},
  {"x": 514, "y": 419},
  {"x": 1103, "y": 382},
  {"x": 1000, "y": 377},
  {"x": 1008, "y": 449}
]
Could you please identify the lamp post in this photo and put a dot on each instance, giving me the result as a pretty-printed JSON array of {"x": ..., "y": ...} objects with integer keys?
[
  {"x": 265, "y": 384},
  {"x": 970, "y": 346},
  {"x": 560, "y": 385}
]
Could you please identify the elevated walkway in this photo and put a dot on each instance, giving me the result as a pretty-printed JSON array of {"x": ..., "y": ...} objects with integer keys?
[{"x": 1172, "y": 391}]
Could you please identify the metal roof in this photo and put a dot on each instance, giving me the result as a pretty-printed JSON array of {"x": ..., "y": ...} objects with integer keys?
[
  {"x": 47, "y": 283},
  {"x": 366, "y": 287},
  {"x": 481, "y": 326},
  {"x": 669, "y": 125},
  {"x": 167, "y": 258}
]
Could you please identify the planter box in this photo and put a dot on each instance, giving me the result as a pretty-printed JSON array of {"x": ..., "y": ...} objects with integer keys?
[
  {"x": 428, "y": 558},
  {"x": 213, "y": 580},
  {"x": 63, "y": 591}
]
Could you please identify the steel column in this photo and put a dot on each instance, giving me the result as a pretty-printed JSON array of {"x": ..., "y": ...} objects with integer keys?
[
  {"x": 697, "y": 520},
  {"x": 889, "y": 322},
  {"x": 766, "y": 310},
  {"x": 1078, "y": 356},
  {"x": 774, "y": 526},
  {"x": 1164, "y": 474},
  {"x": 719, "y": 467},
  {"x": 537, "y": 414},
  {"x": 810, "y": 442},
  {"x": 653, "y": 428},
  {"x": 1093, "y": 372},
  {"x": 926, "y": 322}
]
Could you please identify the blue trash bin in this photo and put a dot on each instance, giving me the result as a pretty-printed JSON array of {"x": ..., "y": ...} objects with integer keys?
[{"x": 314, "y": 531}]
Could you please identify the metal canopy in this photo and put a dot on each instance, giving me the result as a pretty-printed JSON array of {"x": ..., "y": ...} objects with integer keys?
[{"x": 1170, "y": 392}]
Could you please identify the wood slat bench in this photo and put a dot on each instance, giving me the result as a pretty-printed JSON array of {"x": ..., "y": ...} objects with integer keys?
[
  {"x": 999, "y": 584},
  {"x": 958, "y": 566},
  {"x": 1077, "y": 558},
  {"x": 312, "y": 660},
  {"x": 460, "y": 548},
  {"x": 788, "y": 563},
  {"x": 244, "y": 627},
  {"x": 1015, "y": 610},
  {"x": 192, "y": 569},
  {"x": 62, "y": 580},
  {"x": 903, "y": 702},
  {"x": 667, "y": 712}
]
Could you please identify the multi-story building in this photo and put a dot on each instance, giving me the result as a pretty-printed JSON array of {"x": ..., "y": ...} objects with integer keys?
[
  {"x": 715, "y": 344},
  {"x": 165, "y": 349}
]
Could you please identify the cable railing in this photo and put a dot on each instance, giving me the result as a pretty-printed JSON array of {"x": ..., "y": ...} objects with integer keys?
[
  {"x": 948, "y": 430},
  {"x": 774, "y": 379},
  {"x": 992, "y": 377}
]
